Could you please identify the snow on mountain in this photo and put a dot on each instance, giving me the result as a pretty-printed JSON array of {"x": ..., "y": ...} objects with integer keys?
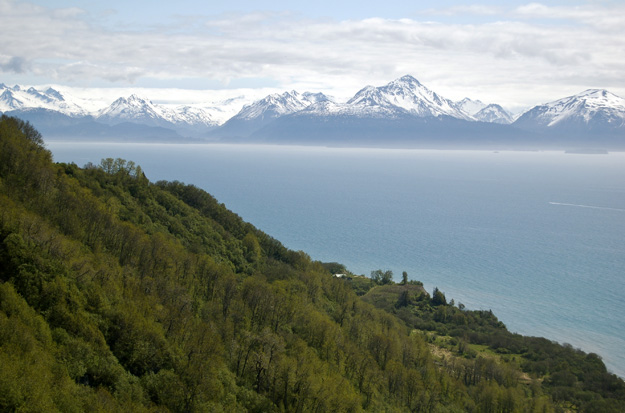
[
  {"x": 261, "y": 112},
  {"x": 9, "y": 101},
  {"x": 470, "y": 106},
  {"x": 312, "y": 98},
  {"x": 276, "y": 105},
  {"x": 221, "y": 111},
  {"x": 408, "y": 94},
  {"x": 591, "y": 109},
  {"x": 403, "y": 108},
  {"x": 360, "y": 110},
  {"x": 143, "y": 111},
  {"x": 398, "y": 99},
  {"x": 195, "y": 116},
  {"x": 18, "y": 98},
  {"x": 494, "y": 113},
  {"x": 135, "y": 109}
]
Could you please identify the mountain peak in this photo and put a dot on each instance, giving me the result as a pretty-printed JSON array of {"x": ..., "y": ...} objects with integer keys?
[
  {"x": 407, "y": 94},
  {"x": 54, "y": 93},
  {"x": 494, "y": 113},
  {"x": 471, "y": 106},
  {"x": 134, "y": 109},
  {"x": 592, "y": 109},
  {"x": 276, "y": 104},
  {"x": 407, "y": 79},
  {"x": 136, "y": 99},
  {"x": 8, "y": 101},
  {"x": 20, "y": 98},
  {"x": 595, "y": 93}
]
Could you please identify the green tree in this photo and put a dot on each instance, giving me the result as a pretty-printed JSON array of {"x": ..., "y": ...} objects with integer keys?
[
  {"x": 438, "y": 298},
  {"x": 382, "y": 277}
]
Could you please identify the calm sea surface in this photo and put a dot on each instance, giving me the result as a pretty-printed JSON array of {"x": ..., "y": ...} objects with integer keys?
[{"x": 538, "y": 237}]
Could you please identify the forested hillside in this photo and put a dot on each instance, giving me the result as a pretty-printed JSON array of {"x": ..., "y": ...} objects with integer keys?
[{"x": 117, "y": 294}]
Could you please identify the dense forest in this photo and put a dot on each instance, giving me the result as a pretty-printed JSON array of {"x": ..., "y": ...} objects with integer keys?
[{"x": 118, "y": 294}]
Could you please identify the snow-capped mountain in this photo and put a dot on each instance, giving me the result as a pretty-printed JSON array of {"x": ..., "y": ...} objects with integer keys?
[
  {"x": 135, "y": 109},
  {"x": 126, "y": 118},
  {"x": 470, "y": 106},
  {"x": 276, "y": 105},
  {"x": 18, "y": 98},
  {"x": 401, "y": 98},
  {"x": 407, "y": 94},
  {"x": 594, "y": 110},
  {"x": 401, "y": 113},
  {"x": 194, "y": 116},
  {"x": 494, "y": 113},
  {"x": 258, "y": 114}
]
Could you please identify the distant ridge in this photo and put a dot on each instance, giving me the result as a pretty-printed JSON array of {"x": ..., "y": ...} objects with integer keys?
[
  {"x": 262, "y": 112},
  {"x": 594, "y": 111},
  {"x": 402, "y": 113}
]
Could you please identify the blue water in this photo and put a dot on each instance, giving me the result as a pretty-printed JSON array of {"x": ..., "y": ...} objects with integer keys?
[{"x": 538, "y": 237}]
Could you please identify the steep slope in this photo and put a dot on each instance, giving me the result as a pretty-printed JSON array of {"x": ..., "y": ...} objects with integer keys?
[
  {"x": 117, "y": 294},
  {"x": 592, "y": 113}
]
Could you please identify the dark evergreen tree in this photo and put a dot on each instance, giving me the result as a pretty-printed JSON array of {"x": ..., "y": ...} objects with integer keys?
[{"x": 438, "y": 298}]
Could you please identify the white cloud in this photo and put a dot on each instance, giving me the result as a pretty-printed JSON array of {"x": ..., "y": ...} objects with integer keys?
[
  {"x": 516, "y": 58},
  {"x": 610, "y": 19}
]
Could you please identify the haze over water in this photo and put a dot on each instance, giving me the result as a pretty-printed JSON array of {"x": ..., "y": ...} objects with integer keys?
[{"x": 538, "y": 237}]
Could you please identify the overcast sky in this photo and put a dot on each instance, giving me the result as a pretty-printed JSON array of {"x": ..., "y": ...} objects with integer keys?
[{"x": 511, "y": 52}]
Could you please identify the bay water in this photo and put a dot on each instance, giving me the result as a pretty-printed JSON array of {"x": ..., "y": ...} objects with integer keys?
[{"x": 538, "y": 237}]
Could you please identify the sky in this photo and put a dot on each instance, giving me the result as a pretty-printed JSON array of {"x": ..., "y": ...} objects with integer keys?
[{"x": 515, "y": 53}]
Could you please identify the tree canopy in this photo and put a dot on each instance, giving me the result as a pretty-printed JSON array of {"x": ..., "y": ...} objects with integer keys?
[{"x": 118, "y": 294}]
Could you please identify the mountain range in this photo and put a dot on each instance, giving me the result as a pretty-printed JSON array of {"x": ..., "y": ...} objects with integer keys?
[{"x": 402, "y": 113}]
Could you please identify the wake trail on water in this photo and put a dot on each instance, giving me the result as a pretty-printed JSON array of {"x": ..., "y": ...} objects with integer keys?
[{"x": 587, "y": 206}]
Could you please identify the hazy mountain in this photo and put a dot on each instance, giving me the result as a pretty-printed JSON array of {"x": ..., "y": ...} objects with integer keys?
[
  {"x": 403, "y": 130},
  {"x": 594, "y": 110},
  {"x": 494, "y": 113},
  {"x": 399, "y": 101},
  {"x": 594, "y": 119},
  {"x": 56, "y": 125},
  {"x": 135, "y": 109},
  {"x": 258, "y": 114},
  {"x": 18, "y": 98},
  {"x": 403, "y": 112},
  {"x": 470, "y": 106}
]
